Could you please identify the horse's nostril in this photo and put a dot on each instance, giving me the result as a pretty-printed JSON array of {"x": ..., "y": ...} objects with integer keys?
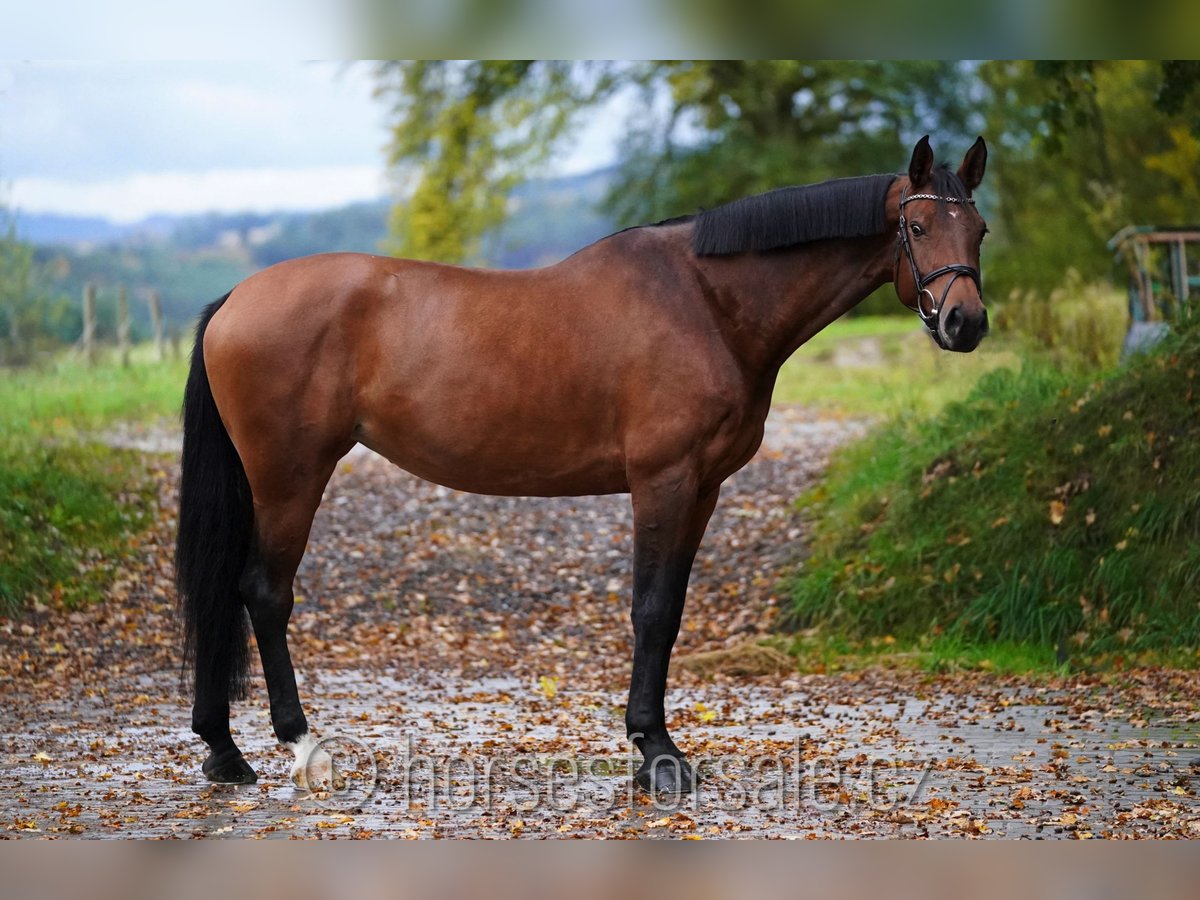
[
  {"x": 954, "y": 320},
  {"x": 984, "y": 328}
]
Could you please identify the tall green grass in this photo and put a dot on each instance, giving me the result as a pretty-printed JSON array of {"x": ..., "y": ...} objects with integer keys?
[
  {"x": 69, "y": 504},
  {"x": 68, "y": 397},
  {"x": 1044, "y": 509},
  {"x": 1077, "y": 326}
]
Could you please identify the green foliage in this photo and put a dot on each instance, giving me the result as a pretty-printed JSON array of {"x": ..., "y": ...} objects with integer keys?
[
  {"x": 68, "y": 510},
  {"x": 67, "y": 503},
  {"x": 738, "y": 127},
  {"x": 16, "y": 262},
  {"x": 29, "y": 316},
  {"x": 1078, "y": 326},
  {"x": 1080, "y": 149},
  {"x": 1046, "y": 509},
  {"x": 473, "y": 130},
  {"x": 1180, "y": 90}
]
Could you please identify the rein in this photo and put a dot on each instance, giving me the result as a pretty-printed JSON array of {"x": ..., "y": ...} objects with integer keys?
[{"x": 923, "y": 281}]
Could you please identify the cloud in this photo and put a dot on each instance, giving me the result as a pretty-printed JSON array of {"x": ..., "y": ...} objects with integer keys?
[
  {"x": 126, "y": 139},
  {"x": 110, "y": 120}
]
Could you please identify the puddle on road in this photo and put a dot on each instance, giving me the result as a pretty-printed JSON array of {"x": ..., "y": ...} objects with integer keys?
[{"x": 449, "y": 757}]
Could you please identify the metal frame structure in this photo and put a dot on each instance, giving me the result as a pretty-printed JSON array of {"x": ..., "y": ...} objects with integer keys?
[{"x": 1156, "y": 290}]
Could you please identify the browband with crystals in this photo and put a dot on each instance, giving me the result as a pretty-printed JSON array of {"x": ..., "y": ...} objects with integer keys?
[{"x": 936, "y": 197}]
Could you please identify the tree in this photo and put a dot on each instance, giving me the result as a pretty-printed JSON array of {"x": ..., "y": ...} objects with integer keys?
[
  {"x": 1084, "y": 148},
  {"x": 30, "y": 314},
  {"x": 466, "y": 133},
  {"x": 700, "y": 132},
  {"x": 16, "y": 266},
  {"x": 738, "y": 127}
]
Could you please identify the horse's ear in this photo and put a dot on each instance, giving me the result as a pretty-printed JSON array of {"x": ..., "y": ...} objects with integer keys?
[
  {"x": 921, "y": 164},
  {"x": 970, "y": 173}
]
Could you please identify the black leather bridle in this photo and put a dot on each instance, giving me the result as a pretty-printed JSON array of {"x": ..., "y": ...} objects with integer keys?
[{"x": 923, "y": 281}]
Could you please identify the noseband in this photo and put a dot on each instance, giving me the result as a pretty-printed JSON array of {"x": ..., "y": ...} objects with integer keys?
[{"x": 923, "y": 281}]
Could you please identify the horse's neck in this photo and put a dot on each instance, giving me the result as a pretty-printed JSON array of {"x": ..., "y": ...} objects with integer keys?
[{"x": 774, "y": 302}]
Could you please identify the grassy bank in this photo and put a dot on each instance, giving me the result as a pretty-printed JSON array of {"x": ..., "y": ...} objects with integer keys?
[
  {"x": 68, "y": 504},
  {"x": 1048, "y": 514}
]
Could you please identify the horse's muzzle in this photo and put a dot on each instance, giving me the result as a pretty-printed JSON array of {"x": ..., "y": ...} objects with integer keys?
[{"x": 962, "y": 330}]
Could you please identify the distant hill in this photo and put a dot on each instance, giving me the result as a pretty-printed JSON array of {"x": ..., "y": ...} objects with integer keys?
[
  {"x": 50, "y": 228},
  {"x": 192, "y": 259},
  {"x": 549, "y": 220}
]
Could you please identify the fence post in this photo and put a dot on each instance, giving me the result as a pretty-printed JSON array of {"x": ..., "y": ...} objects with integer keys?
[
  {"x": 89, "y": 323},
  {"x": 123, "y": 324},
  {"x": 160, "y": 350}
]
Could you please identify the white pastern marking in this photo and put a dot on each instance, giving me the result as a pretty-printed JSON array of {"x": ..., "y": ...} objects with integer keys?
[{"x": 313, "y": 766}]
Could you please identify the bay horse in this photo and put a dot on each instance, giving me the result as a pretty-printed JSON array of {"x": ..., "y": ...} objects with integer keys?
[{"x": 642, "y": 364}]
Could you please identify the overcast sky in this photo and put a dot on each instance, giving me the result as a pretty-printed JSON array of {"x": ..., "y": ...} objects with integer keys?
[{"x": 124, "y": 140}]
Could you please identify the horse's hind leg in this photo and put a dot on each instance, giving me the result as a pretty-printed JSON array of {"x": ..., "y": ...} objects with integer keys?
[{"x": 283, "y": 515}]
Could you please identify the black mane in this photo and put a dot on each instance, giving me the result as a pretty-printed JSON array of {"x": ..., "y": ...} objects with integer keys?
[
  {"x": 840, "y": 208},
  {"x": 784, "y": 217}
]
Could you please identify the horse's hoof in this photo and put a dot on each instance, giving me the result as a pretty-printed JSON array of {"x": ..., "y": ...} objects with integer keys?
[
  {"x": 668, "y": 775},
  {"x": 314, "y": 769},
  {"x": 229, "y": 769}
]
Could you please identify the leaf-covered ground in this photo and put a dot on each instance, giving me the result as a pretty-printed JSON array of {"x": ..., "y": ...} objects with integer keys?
[{"x": 467, "y": 659}]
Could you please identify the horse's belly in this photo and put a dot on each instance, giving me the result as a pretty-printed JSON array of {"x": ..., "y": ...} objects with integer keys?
[{"x": 503, "y": 462}]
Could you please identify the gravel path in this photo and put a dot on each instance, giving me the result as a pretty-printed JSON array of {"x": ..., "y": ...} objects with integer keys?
[{"x": 466, "y": 657}]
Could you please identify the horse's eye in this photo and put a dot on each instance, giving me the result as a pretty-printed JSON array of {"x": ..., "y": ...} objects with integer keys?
[{"x": 917, "y": 230}]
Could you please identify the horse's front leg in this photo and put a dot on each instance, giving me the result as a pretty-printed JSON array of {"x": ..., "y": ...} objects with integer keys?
[{"x": 670, "y": 513}]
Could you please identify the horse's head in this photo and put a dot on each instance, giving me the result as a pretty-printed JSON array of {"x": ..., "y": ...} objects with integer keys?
[{"x": 937, "y": 247}]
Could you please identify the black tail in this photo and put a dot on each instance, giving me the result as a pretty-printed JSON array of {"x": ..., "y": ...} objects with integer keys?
[{"x": 216, "y": 520}]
